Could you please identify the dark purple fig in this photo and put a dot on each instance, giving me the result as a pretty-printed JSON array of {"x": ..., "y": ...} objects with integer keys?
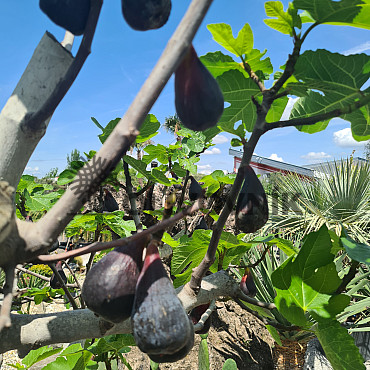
[
  {"x": 195, "y": 190},
  {"x": 251, "y": 207},
  {"x": 196, "y": 314},
  {"x": 201, "y": 224},
  {"x": 70, "y": 14},
  {"x": 177, "y": 356},
  {"x": 109, "y": 287},
  {"x": 143, "y": 15},
  {"x": 160, "y": 324},
  {"x": 247, "y": 285},
  {"x": 54, "y": 282},
  {"x": 109, "y": 203},
  {"x": 198, "y": 98}
]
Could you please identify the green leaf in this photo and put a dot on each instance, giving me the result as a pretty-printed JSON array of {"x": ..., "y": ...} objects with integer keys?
[
  {"x": 339, "y": 78},
  {"x": 357, "y": 251},
  {"x": 97, "y": 123},
  {"x": 148, "y": 129},
  {"x": 230, "y": 364},
  {"x": 39, "y": 354},
  {"x": 223, "y": 35},
  {"x": 118, "y": 225},
  {"x": 179, "y": 171},
  {"x": 160, "y": 177},
  {"x": 218, "y": 63},
  {"x": 355, "y": 13},
  {"x": 238, "y": 91},
  {"x": 339, "y": 346},
  {"x": 139, "y": 166},
  {"x": 236, "y": 142},
  {"x": 285, "y": 21},
  {"x": 154, "y": 365},
  {"x": 203, "y": 355},
  {"x": 108, "y": 129},
  {"x": 308, "y": 283},
  {"x": 275, "y": 334}
]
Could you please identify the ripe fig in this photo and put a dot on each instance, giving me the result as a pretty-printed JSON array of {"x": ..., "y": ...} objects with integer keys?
[
  {"x": 70, "y": 14},
  {"x": 251, "y": 207},
  {"x": 202, "y": 224},
  {"x": 143, "y": 15},
  {"x": 160, "y": 325},
  {"x": 196, "y": 314},
  {"x": 247, "y": 285},
  {"x": 198, "y": 98},
  {"x": 109, "y": 287},
  {"x": 195, "y": 190},
  {"x": 109, "y": 203},
  {"x": 177, "y": 356},
  {"x": 54, "y": 282}
]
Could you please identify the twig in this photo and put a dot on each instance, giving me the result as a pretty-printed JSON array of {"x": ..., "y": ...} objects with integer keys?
[
  {"x": 348, "y": 277},
  {"x": 289, "y": 69},
  {"x": 260, "y": 259},
  {"x": 200, "y": 324},
  {"x": 61, "y": 282},
  {"x": 132, "y": 198},
  {"x": 53, "y": 223},
  {"x": 36, "y": 120},
  {"x": 98, "y": 246},
  {"x": 319, "y": 117},
  {"x": 253, "y": 76},
  {"x": 77, "y": 282},
  {"x": 267, "y": 305},
  {"x": 5, "y": 321},
  {"x": 144, "y": 189},
  {"x": 182, "y": 196},
  {"x": 203, "y": 267},
  {"x": 266, "y": 321}
]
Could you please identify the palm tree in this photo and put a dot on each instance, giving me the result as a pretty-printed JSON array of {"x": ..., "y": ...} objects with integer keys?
[
  {"x": 173, "y": 124},
  {"x": 338, "y": 198}
]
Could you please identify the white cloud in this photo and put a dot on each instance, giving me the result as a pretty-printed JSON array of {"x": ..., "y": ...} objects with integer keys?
[
  {"x": 220, "y": 139},
  {"x": 275, "y": 157},
  {"x": 358, "y": 49},
  {"x": 204, "y": 166},
  {"x": 316, "y": 156},
  {"x": 344, "y": 139},
  {"x": 212, "y": 151},
  {"x": 32, "y": 170},
  {"x": 288, "y": 109},
  {"x": 205, "y": 169}
]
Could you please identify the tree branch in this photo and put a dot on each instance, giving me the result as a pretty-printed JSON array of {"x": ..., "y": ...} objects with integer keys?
[
  {"x": 320, "y": 117},
  {"x": 200, "y": 271},
  {"x": 265, "y": 321},
  {"x": 253, "y": 76},
  {"x": 5, "y": 321},
  {"x": 99, "y": 246},
  {"x": 63, "y": 286},
  {"x": 28, "y": 331},
  {"x": 53, "y": 223},
  {"x": 36, "y": 120}
]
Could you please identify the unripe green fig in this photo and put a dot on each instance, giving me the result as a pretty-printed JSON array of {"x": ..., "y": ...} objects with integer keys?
[
  {"x": 251, "y": 207},
  {"x": 195, "y": 190},
  {"x": 143, "y": 15},
  {"x": 70, "y": 14},
  {"x": 54, "y": 282},
  {"x": 198, "y": 98},
  {"x": 247, "y": 285},
  {"x": 160, "y": 324},
  {"x": 109, "y": 287}
]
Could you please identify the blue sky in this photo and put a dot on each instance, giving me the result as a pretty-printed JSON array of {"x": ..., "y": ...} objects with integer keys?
[{"x": 121, "y": 60}]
